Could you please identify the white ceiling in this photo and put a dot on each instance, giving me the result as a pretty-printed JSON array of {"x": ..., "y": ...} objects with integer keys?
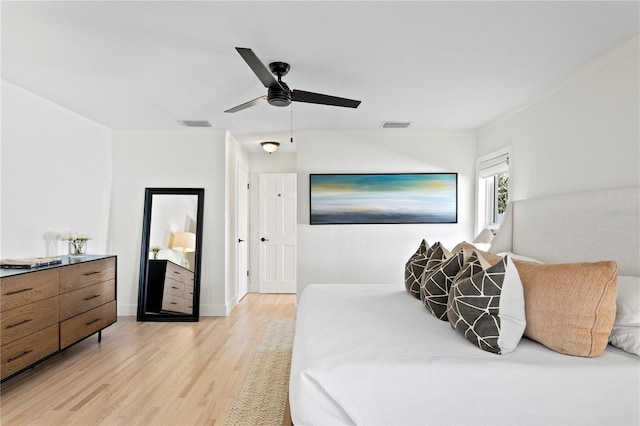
[{"x": 440, "y": 65}]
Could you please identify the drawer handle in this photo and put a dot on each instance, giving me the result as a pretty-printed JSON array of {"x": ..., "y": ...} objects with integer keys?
[
  {"x": 20, "y": 356},
  {"x": 173, "y": 303},
  {"x": 18, "y": 291},
  {"x": 91, "y": 273},
  {"x": 91, "y": 297},
  {"x": 175, "y": 287},
  {"x": 18, "y": 323},
  {"x": 95, "y": 320},
  {"x": 176, "y": 272}
]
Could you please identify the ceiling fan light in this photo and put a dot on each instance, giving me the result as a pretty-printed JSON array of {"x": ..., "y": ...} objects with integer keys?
[{"x": 270, "y": 146}]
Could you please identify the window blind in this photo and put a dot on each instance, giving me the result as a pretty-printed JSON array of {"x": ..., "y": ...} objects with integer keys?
[{"x": 493, "y": 166}]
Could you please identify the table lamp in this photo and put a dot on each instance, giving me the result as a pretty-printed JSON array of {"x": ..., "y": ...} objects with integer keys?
[{"x": 184, "y": 242}]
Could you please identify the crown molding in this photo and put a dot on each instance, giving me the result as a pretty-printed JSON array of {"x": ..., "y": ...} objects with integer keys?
[{"x": 623, "y": 49}]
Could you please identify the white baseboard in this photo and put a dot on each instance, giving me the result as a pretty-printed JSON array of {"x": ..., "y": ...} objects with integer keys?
[
  {"x": 214, "y": 310},
  {"x": 127, "y": 310}
]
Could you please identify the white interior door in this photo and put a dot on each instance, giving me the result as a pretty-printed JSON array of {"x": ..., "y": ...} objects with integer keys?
[
  {"x": 278, "y": 239},
  {"x": 242, "y": 210}
]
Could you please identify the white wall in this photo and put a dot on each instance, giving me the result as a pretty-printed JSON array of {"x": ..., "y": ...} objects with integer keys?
[
  {"x": 190, "y": 158},
  {"x": 582, "y": 134},
  {"x": 55, "y": 177},
  {"x": 262, "y": 163},
  {"x": 377, "y": 253}
]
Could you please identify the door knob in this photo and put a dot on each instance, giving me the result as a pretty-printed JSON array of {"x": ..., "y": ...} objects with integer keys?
[
  {"x": 263, "y": 239},
  {"x": 240, "y": 240}
]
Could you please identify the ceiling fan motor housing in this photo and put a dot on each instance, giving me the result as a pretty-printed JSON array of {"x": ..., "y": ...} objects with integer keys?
[{"x": 279, "y": 97}]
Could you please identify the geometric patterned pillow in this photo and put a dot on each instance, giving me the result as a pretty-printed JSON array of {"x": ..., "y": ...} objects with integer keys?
[
  {"x": 414, "y": 269},
  {"x": 437, "y": 254},
  {"x": 472, "y": 265},
  {"x": 463, "y": 246},
  {"x": 488, "y": 308},
  {"x": 469, "y": 248},
  {"x": 434, "y": 290}
]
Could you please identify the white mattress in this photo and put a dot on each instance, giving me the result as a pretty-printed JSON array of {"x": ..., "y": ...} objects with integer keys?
[{"x": 372, "y": 354}]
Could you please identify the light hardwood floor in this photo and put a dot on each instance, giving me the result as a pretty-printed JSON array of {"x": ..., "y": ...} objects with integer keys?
[{"x": 146, "y": 373}]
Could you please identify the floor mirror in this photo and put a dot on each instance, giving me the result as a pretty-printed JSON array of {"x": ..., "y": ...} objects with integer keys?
[{"x": 171, "y": 254}]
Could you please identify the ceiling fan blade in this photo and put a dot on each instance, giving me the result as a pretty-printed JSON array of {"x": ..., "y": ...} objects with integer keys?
[
  {"x": 246, "y": 105},
  {"x": 258, "y": 68},
  {"x": 317, "y": 98}
]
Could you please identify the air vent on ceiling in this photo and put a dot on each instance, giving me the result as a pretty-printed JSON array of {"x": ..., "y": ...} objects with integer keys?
[
  {"x": 395, "y": 124},
  {"x": 196, "y": 123}
]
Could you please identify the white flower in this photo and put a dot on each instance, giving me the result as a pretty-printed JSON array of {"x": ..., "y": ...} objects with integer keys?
[{"x": 75, "y": 236}]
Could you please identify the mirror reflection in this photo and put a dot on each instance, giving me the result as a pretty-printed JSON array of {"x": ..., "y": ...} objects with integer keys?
[{"x": 170, "y": 259}]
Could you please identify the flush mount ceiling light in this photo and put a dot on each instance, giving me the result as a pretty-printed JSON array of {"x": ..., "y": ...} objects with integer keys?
[{"x": 270, "y": 146}]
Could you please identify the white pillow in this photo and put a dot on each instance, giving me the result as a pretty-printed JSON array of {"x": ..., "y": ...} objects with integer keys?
[
  {"x": 626, "y": 338},
  {"x": 626, "y": 329},
  {"x": 628, "y": 301}
]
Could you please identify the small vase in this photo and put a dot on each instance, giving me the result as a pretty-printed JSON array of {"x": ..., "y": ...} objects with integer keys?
[{"x": 77, "y": 248}]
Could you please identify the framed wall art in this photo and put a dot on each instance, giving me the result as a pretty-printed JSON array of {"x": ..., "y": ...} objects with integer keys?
[{"x": 383, "y": 198}]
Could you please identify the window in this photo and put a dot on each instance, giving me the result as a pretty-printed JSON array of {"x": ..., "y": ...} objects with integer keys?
[{"x": 493, "y": 189}]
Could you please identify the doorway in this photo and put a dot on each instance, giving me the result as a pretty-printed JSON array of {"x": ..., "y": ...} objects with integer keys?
[{"x": 278, "y": 232}]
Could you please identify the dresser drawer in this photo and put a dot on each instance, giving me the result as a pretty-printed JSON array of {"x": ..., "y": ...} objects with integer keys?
[
  {"x": 178, "y": 273},
  {"x": 173, "y": 288},
  {"x": 27, "y": 288},
  {"x": 176, "y": 304},
  {"x": 28, "y": 319},
  {"x": 87, "y": 273},
  {"x": 83, "y": 325},
  {"x": 32, "y": 348},
  {"x": 84, "y": 299}
]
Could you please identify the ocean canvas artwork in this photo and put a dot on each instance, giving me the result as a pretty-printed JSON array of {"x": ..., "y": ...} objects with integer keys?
[{"x": 384, "y": 198}]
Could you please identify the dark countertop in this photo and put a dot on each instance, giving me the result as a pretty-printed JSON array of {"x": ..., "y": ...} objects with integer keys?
[{"x": 66, "y": 260}]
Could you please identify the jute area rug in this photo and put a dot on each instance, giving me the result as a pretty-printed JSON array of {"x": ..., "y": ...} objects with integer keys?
[{"x": 262, "y": 398}]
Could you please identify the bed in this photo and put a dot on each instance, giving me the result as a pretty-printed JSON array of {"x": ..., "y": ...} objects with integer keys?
[{"x": 372, "y": 353}]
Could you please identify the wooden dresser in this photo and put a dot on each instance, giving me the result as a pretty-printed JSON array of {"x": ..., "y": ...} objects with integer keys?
[
  {"x": 45, "y": 310},
  {"x": 170, "y": 287}
]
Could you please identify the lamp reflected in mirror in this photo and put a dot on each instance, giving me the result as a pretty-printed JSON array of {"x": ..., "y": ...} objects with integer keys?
[{"x": 184, "y": 242}]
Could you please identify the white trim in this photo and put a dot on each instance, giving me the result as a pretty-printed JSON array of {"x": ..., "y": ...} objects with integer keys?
[{"x": 492, "y": 162}]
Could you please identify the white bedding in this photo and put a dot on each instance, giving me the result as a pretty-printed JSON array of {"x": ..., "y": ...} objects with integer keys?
[{"x": 372, "y": 354}]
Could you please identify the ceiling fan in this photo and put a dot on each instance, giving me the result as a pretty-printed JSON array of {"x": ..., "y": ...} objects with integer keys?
[{"x": 279, "y": 93}]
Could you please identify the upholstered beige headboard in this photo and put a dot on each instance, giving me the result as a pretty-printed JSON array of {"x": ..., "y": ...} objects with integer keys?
[{"x": 577, "y": 227}]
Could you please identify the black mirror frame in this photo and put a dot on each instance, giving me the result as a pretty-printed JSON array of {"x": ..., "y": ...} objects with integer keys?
[{"x": 144, "y": 256}]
